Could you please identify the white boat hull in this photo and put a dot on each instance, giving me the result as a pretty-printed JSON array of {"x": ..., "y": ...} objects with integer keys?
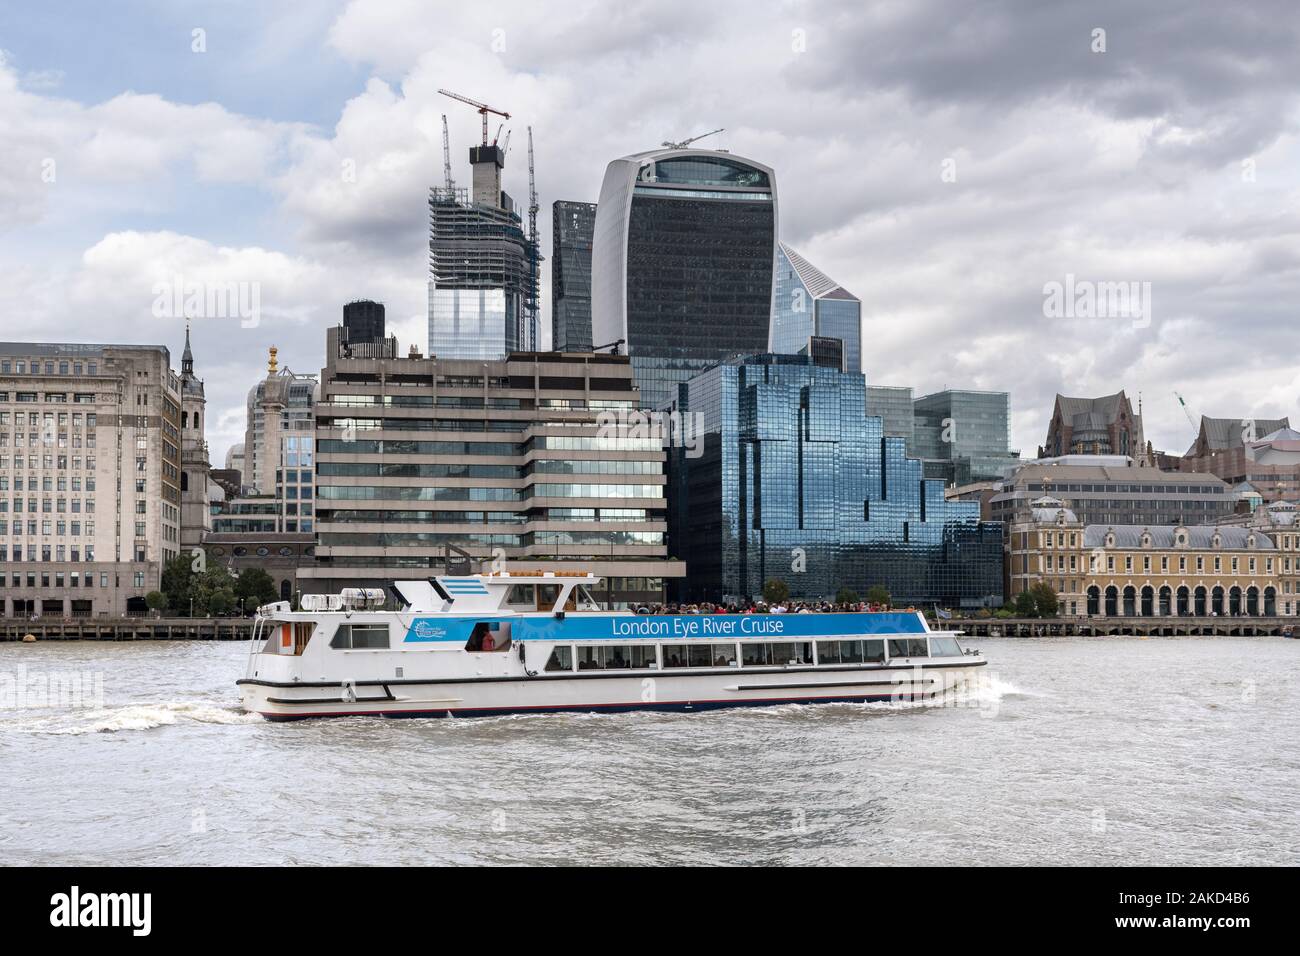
[{"x": 709, "y": 690}]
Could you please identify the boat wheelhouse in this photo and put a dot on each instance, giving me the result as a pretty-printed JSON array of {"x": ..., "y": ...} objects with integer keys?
[{"x": 518, "y": 642}]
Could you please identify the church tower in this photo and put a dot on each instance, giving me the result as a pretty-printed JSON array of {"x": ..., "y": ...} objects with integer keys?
[{"x": 196, "y": 515}]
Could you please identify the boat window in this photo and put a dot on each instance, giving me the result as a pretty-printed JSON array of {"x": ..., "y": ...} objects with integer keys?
[
  {"x": 546, "y": 596},
  {"x": 354, "y": 637},
  {"x": 778, "y": 654},
  {"x": 583, "y": 599},
  {"x": 873, "y": 652},
  {"x": 643, "y": 655},
  {"x": 724, "y": 655},
  {"x": 604, "y": 657},
  {"x": 907, "y": 647},
  {"x": 521, "y": 594},
  {"x": 488, "y": 636},
  {"x": 561, "y": 659},
  {"x": 839, "y": 652},
  {"x": 944, "y": 647},
  {"x": 710, "y": 655},
  {"x": 674, "y": 655}
]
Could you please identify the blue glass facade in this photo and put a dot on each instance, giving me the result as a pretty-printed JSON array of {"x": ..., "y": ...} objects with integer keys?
[
  {"x": 795, "y": 482},
  {"x": 809, "y": 303}
]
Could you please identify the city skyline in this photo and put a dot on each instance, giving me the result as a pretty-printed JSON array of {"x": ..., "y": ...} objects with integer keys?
[{"x": 1065, "y": 164}]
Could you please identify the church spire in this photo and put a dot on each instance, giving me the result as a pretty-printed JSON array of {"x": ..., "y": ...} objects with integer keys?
[{"x": 187, "y": 357}]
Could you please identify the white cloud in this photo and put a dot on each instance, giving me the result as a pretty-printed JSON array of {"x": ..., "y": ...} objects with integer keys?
[{"x": 1127, "y": 166}]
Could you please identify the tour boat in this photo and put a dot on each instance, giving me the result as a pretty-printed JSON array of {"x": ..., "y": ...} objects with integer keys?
[{"x": 512, "y": 642}]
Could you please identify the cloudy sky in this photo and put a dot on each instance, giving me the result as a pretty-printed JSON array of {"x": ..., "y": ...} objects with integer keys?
[{"x": 944, "y": 161}]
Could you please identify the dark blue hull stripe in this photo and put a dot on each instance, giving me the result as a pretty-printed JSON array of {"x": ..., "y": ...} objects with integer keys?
[{"x": 674, "y": 707}]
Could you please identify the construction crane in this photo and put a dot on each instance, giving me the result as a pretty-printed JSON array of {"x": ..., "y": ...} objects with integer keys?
[
  {"x": 687, "y": 142},
  {"x": 446, "y": 156},
  {"x": 534, "y": 247},
  {"x": 1186, "y": 411},
  {"x": 483, "y": 111},
  {"x": 505, "y": 143}
]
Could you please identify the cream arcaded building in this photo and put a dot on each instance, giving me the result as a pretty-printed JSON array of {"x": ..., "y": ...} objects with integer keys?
[{"x": 1146, "y": 571}]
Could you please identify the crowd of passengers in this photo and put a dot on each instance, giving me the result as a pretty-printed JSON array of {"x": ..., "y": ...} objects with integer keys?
[{"x": 759, "y": 607}]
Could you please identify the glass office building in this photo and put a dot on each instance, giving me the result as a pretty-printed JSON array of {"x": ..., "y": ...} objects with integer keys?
[
  {"x": 892, "y": 404},
  {"x": 808, "y": 304},
  {"x": 572, "y": 226},
  {"x": 964, "y": 436},
  {"x": 479, "y": 269},
  {"x": 794, "y": 481},
  {"x": 683, "y": 256}
]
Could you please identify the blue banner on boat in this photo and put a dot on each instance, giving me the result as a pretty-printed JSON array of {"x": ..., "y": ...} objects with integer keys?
[{"x": 590, "y": 627}]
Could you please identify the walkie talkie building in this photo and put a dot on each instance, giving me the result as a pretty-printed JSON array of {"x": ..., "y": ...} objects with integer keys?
[{"x": 683, "y": 257}]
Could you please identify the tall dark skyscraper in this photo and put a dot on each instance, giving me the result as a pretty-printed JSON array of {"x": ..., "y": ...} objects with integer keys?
[
  {"x": 364, "y": 321},
  {"x": 573, "y": 224},
  {"x": 683, "y": 257}
]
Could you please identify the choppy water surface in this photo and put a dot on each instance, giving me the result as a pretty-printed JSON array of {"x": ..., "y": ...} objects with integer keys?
[{"x": 1109, "y": 751}]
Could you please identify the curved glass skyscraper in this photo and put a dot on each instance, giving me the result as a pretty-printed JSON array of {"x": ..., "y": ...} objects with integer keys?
[{"x": 683, "y": 257}]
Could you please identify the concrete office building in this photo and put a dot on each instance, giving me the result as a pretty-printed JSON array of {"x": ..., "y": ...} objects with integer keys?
[
  {"x": 90, "y": 477},
  {"x": 1116, "y": 493},
  {"x": 508, "y": 460},
  {"x": 572, "y": 226},
  {"x": 683, "y": 257}
]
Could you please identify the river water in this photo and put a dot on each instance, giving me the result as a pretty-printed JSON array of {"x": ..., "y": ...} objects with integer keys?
[{"x": 1076, "y": 751}]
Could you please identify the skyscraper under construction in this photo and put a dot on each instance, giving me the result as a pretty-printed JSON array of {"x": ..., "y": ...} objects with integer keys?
[{"x": 481, "y": 281}]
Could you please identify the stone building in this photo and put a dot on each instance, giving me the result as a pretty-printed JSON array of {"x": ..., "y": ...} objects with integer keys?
[
  {"x": 196, "y": 518},
  {"x": 1145, "y": 571},
  {"x": 1095, "y": 426},
  {"x": 1261, "y": 453},
  {"x": 90, "y": 477}
]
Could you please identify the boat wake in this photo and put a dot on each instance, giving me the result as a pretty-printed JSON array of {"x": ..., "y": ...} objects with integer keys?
[{"x": 131, "y": 717}]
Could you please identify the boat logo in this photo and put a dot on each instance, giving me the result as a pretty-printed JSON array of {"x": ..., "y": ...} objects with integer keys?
[{"x": 427, "y": 631}]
